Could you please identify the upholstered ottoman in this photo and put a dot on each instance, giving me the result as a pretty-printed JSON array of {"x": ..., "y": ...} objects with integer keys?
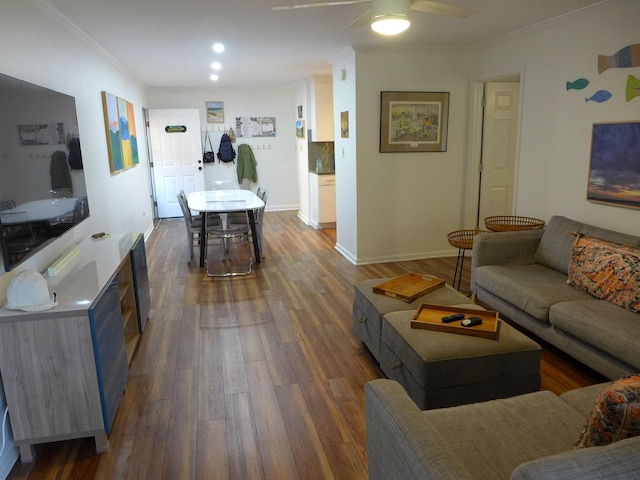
[
  {"x": 440, "y": 369},
  {"x": 369, "y": 307}
]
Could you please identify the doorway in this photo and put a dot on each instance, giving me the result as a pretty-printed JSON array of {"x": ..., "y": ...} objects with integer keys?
[
  {"x": 498, "y": 148},
  {"x": 176, "y": 148}
]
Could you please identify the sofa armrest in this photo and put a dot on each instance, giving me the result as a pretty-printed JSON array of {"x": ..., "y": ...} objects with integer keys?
[
  {"x": 401, "y": 443},
  {"x": 618, "y": 461},
  {"x": 506, "y": 248}
]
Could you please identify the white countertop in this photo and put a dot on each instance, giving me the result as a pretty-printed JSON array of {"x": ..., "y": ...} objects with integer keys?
[{"x": 77, "y": 286}]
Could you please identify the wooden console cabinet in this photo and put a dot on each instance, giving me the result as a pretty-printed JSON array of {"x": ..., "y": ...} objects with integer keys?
[{"x": 64, "y": 370}]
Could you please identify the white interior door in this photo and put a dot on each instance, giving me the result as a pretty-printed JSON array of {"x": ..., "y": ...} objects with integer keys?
[
  {"x": 176, "y": 149},
  {"x": 500, "y": 135}
]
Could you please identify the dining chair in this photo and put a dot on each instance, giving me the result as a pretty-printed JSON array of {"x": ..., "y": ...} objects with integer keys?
[
  {"x": 194, "y": 225},
  {"x": 229, "y": 234}
]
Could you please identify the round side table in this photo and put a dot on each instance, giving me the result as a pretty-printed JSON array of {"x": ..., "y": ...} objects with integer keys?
[
  {"x": 510, "y": 223},
  {"x": 463, "y": 240}
]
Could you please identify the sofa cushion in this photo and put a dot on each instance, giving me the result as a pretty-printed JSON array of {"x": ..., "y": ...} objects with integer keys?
[
  {"x": 602, "y": 325},
  {"x": 582, "y": 399},
  {"x": 531, "y": 288},
  {"x": 618, "y": 461},
  {"x": 555, "y": 245},
  {"x": 615, "y": 415},
  {"x": 606, "y": 270}
]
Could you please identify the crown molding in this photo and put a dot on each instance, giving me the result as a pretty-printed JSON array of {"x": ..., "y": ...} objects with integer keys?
[
  {"x": 55, "y": 15},
  {"x": 555, "y": 21}
]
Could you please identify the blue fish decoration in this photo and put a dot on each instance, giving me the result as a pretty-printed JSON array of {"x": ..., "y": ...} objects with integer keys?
[
  {"x": 578, "y": 84},
  {"x": 600, "y": 96}
]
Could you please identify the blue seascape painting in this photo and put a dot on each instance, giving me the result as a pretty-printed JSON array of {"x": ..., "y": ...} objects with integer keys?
[{"x": 614, "y": 173}]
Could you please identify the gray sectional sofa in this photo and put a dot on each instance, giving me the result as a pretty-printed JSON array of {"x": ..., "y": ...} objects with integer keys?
[
  {"x": 523, "y": 275},
  {"x": 526, "y": 437}
]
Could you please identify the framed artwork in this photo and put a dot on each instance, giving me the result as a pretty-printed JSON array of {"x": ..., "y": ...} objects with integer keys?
[
  {"x": 300, "y": 128},
  {"x": 299, "y": 111},
  {"x": 413, "y": 121},
  {"x": 120, "y": 126},
  {"x": 614, "y": 170},
  {"x": 344, "y": 124},
  {"x": 215, "y": 112}
]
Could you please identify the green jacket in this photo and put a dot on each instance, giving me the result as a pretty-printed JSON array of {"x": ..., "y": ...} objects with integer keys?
[{"x": 247, "y": 165}]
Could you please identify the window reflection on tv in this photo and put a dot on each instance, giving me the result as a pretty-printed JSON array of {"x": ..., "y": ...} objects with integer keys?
[{"x": 42, "y": 186}]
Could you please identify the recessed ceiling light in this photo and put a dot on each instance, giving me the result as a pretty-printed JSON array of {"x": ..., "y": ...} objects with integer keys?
[
  {"x": 214, "y": 78},
  {"x": 216, "y": 65},
  {"x": 218, "y": 47}
]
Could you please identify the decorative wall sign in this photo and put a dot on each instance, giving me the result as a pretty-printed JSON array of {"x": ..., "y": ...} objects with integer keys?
[
  {"x": 633, "y": 88},
  {"x": 300, "y": 128},
  {"x": 215, "y": 112},
  {"x": 120, "y": 125},
  {"x": 41, "y": 134},
  {"x": 600, "y": 96},
  {"x": 614, "y": 171},
  {"x": 626, "y": 57},
  {"x": 256, "y": 126},
  {"x": 413, "y": 121},
  {"x": 578, "y": 84}
]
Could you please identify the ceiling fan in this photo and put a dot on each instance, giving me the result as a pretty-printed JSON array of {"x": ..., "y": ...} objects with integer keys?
[{"x": 390, "y": 17}]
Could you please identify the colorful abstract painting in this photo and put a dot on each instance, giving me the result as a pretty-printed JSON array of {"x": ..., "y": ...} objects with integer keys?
[
  {"x": 614, "y": 172},
  {"x": 122, "y": 141}
]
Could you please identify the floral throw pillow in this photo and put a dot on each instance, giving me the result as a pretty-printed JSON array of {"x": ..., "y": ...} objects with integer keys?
[
  {"x": 606, "y": 270},
  {"x": 615, "y": 415}
]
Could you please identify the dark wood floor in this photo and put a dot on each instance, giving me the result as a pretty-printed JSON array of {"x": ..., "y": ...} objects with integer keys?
[{"x": 250, "y": 378}]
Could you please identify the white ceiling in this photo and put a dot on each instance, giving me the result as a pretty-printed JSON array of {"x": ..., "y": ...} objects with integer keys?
[{"x": 167, "y": 43}]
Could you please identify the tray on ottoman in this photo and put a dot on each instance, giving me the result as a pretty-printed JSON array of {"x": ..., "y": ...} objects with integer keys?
[
  {"x": 409, "y": 286},
  {"x": 429, "y": 317}
]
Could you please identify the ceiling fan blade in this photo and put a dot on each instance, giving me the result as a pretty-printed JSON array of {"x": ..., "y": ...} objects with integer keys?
[
  {"x": 431, "y": 6},
  {"x": 319, "y": 4},
  {"x": 362, "y": 20}
]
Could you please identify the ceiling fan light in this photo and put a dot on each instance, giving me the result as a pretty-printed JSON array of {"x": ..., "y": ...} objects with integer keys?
[{"x": 390, "y": 24}]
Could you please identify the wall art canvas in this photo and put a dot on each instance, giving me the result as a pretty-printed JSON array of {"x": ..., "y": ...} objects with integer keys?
[
  {"x": 413, "y": 121},
  {"x": 300, "y": 128},
  {"x": 120, "y": 125},
  {"x": 215, "y": 112},
  {"x": 344, "y": 124},
  {"x": 614, "y": 170}
]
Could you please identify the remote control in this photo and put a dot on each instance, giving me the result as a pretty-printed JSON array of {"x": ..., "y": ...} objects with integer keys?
[
  {"x": 471, "y": 322},
  {"x": 452, "y": 318}
]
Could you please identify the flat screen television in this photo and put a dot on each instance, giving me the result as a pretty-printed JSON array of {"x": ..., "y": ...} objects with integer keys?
[{"x": 42, "y": 185}]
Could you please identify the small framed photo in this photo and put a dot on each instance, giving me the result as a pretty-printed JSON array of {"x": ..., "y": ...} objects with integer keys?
[
  {"x": 413, "y": 121},
  {"x": 215, "y": 112}
]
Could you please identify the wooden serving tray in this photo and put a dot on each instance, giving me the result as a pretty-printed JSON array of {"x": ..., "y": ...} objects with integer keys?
[
  {"x": 429, "y": 317},
  {"x": 409, "y": 286}
]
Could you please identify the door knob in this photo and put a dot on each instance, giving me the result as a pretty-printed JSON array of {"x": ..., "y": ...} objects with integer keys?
[{"x": 199, "y": 161}]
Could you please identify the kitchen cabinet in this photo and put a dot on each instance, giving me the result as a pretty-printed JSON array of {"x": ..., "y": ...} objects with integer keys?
[
  {"x": 322, "y": 193},
  {"x": 64, "y": 370},
  {"x": 321, "y": 94}
]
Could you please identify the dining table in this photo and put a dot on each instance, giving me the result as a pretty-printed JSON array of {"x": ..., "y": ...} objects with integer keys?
[{"x": 225, "y": 201}]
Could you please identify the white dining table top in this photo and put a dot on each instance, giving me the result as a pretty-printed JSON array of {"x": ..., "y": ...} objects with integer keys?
[
  {"x": 222, "y": 201},
  {"x": 37, "y": 210}
]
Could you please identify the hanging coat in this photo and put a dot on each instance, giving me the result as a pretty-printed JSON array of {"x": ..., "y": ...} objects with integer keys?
[
  {"x": 247, "y": 165},
  {"x": 59, "y": 171}
]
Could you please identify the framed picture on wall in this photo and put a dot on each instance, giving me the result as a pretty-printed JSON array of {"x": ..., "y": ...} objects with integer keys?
[
  {"x": 413, "y": 121},
  {"x": 215, "y": 112},
  {"x": 614, "y": 171}
]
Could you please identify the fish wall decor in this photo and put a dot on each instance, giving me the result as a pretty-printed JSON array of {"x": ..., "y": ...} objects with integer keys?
[
  {"x": 578, "y": 84},
  {"x": 600, "y": 96},
  {"x": 633, "y": 88},
  {"x": 626, "y": 57}
]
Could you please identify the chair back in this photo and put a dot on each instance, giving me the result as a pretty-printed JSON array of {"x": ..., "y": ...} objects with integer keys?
[
  {"x": 184, "y": 206},
  {"x": 80, "y": 209}
]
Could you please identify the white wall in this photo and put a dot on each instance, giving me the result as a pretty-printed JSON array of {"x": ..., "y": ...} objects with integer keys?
[
  {"x": 277, "y": 165},
  {"x": 44, "y": 52},
  {"x": 556, "y": 127},
  {"x": 406, "y": 202}
]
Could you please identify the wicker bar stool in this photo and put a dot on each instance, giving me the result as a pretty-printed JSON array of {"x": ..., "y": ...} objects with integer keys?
[
  {"x": 463, "y": 240},
  {"x": 509, "y": 223}
]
